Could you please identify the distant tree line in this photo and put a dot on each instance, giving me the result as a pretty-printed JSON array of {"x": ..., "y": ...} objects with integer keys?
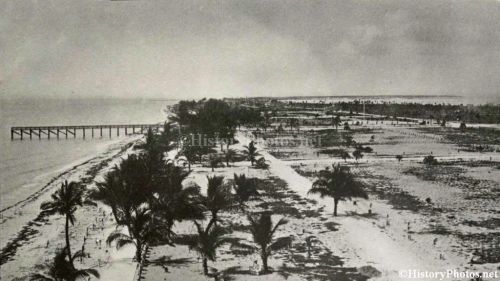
[{"x": 488, "y": 113}]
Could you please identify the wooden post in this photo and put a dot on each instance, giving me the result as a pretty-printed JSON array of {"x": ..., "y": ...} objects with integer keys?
[
  {"x": 92, "y": 132},
  {"x": 74, "y": 133},
  {"x": 117, "y": 131},
  {"x": 22, "y": 133},
  {"x": 31, "y": 132},
  {"x": 11, "y": 134},
  {"x": 109, "y": 132},
  {"x": 126, "y": 131},
  {"x": 39, "y": 133},
  {"x": 101, "y": 132},
  {"x": 83, "y": 133}
]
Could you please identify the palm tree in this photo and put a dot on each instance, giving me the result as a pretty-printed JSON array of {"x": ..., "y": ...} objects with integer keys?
[
  {"x": 338, "y": 184},
  {"x": 62, "y": 269},
  {"x": 206, "y": 243},
  {"x": 125, "y": 188},
  {"x": 336, "y": 122},
  {"x": 108, "y": 191},
  {"x": 218, "y": 198},
  {"x": 244, "y": 189},
  {"x": 189, "y": 151},
  {"x": 175, "y": 202},
  {"x": 348, "y": 140},
  {"x": 65, "y": 201},
  {"x": 345, "y": 155},
  {"x": 251, "y": 152},
  {"x": 214, "y": 161},
  {"x": 399, "y": 157},
  {"x": 357, "y": 154},
  {"x": 462, "y": 127},
  {"x": 229, "y": 156},
  {"x": 263, "y": 230},
  {"x": 140, "y": 231}
]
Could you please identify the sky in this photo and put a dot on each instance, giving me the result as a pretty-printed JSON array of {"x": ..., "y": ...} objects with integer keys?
[{"x": 235, "y": 48}]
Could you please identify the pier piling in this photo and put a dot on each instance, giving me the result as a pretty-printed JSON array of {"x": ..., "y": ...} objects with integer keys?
[{"x": 19, "y": 132}]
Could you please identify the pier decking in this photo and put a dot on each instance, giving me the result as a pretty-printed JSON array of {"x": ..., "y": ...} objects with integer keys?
[{"x": 79, "y": 130}]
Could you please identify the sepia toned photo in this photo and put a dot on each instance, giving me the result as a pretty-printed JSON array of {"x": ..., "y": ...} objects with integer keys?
[{"x": 249, "y": 140}]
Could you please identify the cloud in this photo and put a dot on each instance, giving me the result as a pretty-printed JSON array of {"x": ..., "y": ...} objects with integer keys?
[{"x": 239, "y": 48}]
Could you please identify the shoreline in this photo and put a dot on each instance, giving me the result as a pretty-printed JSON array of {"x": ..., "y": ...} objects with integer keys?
[{"x": 85, "y": 172}]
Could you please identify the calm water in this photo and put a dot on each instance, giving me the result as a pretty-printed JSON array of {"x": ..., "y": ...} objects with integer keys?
[{"x": 26, "y": 166}]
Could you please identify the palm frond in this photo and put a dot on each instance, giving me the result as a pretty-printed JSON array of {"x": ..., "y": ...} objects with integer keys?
[
  {"x": 280, "y": 243},
  {"x": 86, "y": 273},
  {"x": 40, "y": 277}
]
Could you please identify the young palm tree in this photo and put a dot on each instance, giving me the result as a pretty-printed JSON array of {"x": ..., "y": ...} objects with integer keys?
[
  {"x": 214, "y": 161},
  {"x": 263, "y": 230},
  {"x": 345, "y": 155},
  {"x": 206, "y": 242},
  {"x": 251, "y": 152},
  {"x": 244, "y": 188},
  {"x": 357, "y": 154},
  {"x": 65, "y": 201},
  {"x": 338, "y": 184},
  {"x": 62, "y": 269},
  {"x": 399, "y": 157},
  {"x": 218, "y": 198},
  {"x": 141, "y": 231}
]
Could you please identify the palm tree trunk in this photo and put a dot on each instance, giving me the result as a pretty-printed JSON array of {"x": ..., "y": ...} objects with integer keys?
[
  {"x": 115, "y": 215},
  {"x": 138, "y": 251},
  {"x": 205, "y": 266},
  {"x": 335, "y": 204},
  {"x": 212, "y": 221},
  {"x": 263, "y": 256},
  {"x": 68, "y": 247}
]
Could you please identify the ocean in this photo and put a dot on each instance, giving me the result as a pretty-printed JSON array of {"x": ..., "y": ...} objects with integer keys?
[{"x": 27, "y": 166}]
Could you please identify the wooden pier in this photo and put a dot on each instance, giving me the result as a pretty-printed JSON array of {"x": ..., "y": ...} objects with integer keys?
[{"x": 56, "y": 132}]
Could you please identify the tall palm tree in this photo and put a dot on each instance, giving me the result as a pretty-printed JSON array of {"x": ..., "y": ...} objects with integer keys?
[
  {"x": 62, "y": 269},
  {"x": 140, "y": 231},
  {"x": 65, "y": 202},
  {"x": 175, "y": 202},
  {"x": 338, "y": 184},
  {"x": 206, "y": 242},
  {"x": 107, "y": 192},
  {"x": 263, "y": 230},
  {"x": 125, "y": 188},
  {"x": 251, "y": 152},
  {"x": 218, "y": 198}
]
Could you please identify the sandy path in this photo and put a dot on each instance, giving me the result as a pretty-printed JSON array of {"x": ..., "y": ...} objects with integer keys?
[{"x": 361, "y": 241}]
